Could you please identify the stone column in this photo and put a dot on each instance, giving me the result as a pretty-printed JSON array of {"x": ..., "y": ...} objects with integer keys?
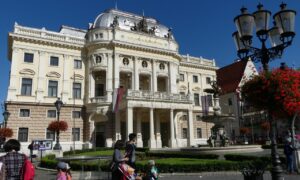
[
  {"x": 191, "y": 141},
  {"x": 116, "y": 71},
  {"x": 172, "y": 141},
  {"x": 158, "y": 136},
  {"x": 117, "y": 127},
  {"x": 139, "y": 130},
  {"x": 154, "y": 77},
  {"x": 109, "y": 77},
  {"x": 129, "y": 122},
  {"x": 41, "y": 76},
  {"x": 92, "y": 85},
  {"x": 136, "y": 75},
  {"x": 152, "y": 141}
]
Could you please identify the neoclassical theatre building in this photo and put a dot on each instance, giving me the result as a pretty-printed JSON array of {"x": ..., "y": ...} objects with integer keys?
[{"x": 123, "y": 74}]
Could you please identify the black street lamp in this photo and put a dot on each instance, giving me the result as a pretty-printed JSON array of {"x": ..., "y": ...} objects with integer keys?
[
  {"x": 6, "y": 115},
  {"x": 58, "y": 104},
  {"x": 281, "y": 36}
]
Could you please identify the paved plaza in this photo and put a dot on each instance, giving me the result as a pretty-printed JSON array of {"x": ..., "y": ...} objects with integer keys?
[{"x": 44, "y": 174}]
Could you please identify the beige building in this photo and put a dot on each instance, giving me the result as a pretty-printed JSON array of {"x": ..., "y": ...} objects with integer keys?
[{"x": 161, "y": 99}]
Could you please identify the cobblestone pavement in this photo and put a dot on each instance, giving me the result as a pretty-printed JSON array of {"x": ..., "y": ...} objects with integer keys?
[{"x": 50, "y": 175}]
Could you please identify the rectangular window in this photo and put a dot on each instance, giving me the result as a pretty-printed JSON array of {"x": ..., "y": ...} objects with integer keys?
[
  {"x": 77, "y": 90},
  {"x": 26, "y": 87},
  {"x": 208, "y": 80},
  {"x": 229, "y": 102},
  {"x": 23, "y": 134},
  {"x": 181, "y": 77},
  {"x": 195, "y": 79},
  {"x": 50, "y": 135},
  {"x": 76, "y": 114},
  {"x": 52, "y": 88},
  {"x": 75, "y": 134},
  {"x": 198, "y": 118},
  {"x": 24, "y": 112},
  {"x": 28, "y": 57},
  {"x": 209, "y": 100},
  {"x": 182, "y": 93},
  {"x": 196, "y": 99},
  {"x": 77, "y": 64},
  {"x": 184, "y": 117},
  {"x": 184, "y": 133},
  {"x": 51, "y": 114},
  {"x": 54, "y": 61},
  {"x": 199, "y": 133}
]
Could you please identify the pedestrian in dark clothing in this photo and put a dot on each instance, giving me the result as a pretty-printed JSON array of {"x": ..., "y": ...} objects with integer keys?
[
  {"x": 13, "y": 160},
  {"x": 30, "y": 147},
  {"x": 117, "y": 159},
  {"x": 130, "y": 150},
  {"x": 288, "y": 151}
]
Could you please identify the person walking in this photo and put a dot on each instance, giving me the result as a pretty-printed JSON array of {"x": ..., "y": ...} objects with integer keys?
[
  {"x": 288, "y": 151},
  {"x": 118, "y": 158},
  {"x": 13, "y": 160},
  {"x": 30, "y": 147},
  {"x": 130, "y": 150}
]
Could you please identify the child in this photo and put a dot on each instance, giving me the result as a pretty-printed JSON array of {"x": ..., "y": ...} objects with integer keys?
[
  {"x": 152, "y": 173},
  {"x": 61, "y": 171}
]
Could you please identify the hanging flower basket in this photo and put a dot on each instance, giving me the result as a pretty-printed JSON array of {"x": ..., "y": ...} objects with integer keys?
[
  {"x": 6, "y": 132},
  {"x": 58, "y": 126}
]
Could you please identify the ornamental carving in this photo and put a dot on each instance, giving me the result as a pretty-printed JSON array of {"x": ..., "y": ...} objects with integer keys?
[
  {"x": 27, "y": 72},
  {"x": 53, "y": 74}
]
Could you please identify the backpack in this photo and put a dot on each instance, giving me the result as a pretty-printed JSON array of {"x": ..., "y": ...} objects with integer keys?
[{"x": 28, "y": 170}]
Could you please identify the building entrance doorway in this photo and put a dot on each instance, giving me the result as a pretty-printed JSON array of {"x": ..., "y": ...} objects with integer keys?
[
  {"x": 100, "y": 134},
  {"x": 165, "y": 133},
  {"x": 145, "y": 133}
]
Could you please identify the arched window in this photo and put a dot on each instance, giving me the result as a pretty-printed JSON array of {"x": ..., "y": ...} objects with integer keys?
[
  {"x": 98, "y": 59},
  {"x": 144, "y": 64}
]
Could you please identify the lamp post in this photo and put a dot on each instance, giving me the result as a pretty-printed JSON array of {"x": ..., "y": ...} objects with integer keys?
[
  {"x": 58, "y": 104},
  {"x": 6, "y": 115},
  {"x": 281, "y": 36}
]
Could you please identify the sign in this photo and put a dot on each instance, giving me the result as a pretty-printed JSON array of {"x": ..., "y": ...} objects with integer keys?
[{"x": 42, "y": 145}]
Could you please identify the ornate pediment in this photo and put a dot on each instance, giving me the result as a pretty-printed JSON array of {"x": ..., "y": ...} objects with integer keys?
[
  {"x": 27, "y": 72},
  {"x": 53, "y": 74},
  {"x": 77, "y": 77}
]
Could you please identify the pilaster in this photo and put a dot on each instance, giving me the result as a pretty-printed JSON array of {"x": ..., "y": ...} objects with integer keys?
[
  {"x": 109, "y": 77},
  {"x": 66, "y": 79},
  {"x": 154, "y": 78},
  {"x": 136, "y": 75},
  {"x": 42, "y": 63},
  {"x": 117, "y": 127},
  {"x": 116, "y": 71}
]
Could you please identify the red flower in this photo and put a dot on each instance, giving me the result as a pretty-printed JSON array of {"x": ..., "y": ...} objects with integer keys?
[
  {"x": 58, "y": 125},
  {"x": 6, "y": 132}
]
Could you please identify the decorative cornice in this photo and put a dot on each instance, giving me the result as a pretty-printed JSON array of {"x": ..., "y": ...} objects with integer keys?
[
  {"x": 198, "y": 66},
  {"x": 53, "y": 74}
]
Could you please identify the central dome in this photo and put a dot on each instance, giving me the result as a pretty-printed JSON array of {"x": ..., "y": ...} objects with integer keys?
[{"x": 129, "y": 21}]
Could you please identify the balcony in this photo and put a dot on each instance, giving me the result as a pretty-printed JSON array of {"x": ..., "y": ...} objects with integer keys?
[
  {"x": 157, "y": 96},
  {"x": 99, "y": 99}
]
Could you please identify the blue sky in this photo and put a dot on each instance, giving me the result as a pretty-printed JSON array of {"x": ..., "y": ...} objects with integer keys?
[{"x": 201, "y": 27}]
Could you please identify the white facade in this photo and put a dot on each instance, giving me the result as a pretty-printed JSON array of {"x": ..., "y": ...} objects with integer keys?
[{"x": 162, "y": 89}]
